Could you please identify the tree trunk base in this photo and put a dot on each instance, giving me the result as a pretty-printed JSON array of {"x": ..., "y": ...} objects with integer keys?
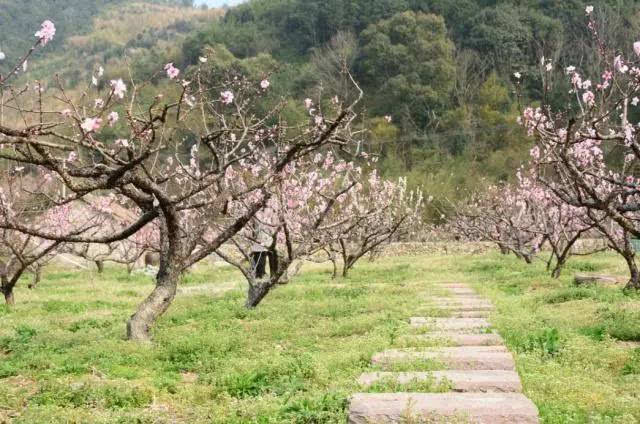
[
  {"x": 632, "y": 285},
  {"x": 8, "y": 297},
  {"x": 140, "y": 324},
  {"x": 256, "y": 293}
]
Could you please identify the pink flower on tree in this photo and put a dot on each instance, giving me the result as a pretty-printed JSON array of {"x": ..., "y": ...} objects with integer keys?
[
  {"x": 119, "y": 88},
  {"x": 91, "y": 124},
  {"x": 308, "y": 103},
  {"x": 264, "y": 84},
  {"x": 226, "y": 97},
  {"x": 589, "y": 98},
  {"x": 620, "y": 65},
  {"x": 113, "y": 118},
  {"x": 46, "y": 33},
  {"x": 636, "y": 48},
  {"x": 172, "y": 71}
]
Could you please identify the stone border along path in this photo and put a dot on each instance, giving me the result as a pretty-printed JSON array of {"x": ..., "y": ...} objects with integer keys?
[{"x": 479, "y": 371}]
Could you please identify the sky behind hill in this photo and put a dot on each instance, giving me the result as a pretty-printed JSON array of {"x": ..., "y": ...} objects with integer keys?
[{"x": 218, "y": 3}]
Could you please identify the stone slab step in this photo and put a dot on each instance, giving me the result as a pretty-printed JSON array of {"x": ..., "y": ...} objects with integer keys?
[
  {"x": 453, "y": 358},
  {"x": 454, "y": 285},
  {"x": 454, "y": 313},
  {"x": 460, "y": 381},
  {"x": 466, "y": 300},
  {"x": 448, "y": 324},
  {"x": 464, "y": 307},
  {"x": 470, "y": 314},
  {"x": 475, "y": 408},
  {"x": 456, "y": 299},
  {"x": 463, "y": 292},
  {"x": 460, "y": 339}
]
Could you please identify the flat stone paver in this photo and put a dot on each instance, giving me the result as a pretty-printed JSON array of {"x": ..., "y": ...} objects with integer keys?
[
  {"x": 460, "y": 339},
  {"x": 454, "y": 285},
  {"x": 460, "y": 381},
  {"x": 447, "y": 324},
  {"x": 470, "y": 314},
  {"x": 457, "y": 299},
  {"x": 462, "y": 291},
  {"x": 454, "y": 358},
  {"x": 466, "y": 302},
  {"x": 476, "y": 408},
  {"x": 463, "y": 307}
]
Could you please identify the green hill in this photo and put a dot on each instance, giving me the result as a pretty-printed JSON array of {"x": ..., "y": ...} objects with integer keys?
[
  {"x": 443, "y": 70},
  {"x": 94, "y": 31}
]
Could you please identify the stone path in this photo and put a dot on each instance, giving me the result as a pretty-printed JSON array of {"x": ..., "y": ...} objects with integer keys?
[{"x": 470, "y": 360}]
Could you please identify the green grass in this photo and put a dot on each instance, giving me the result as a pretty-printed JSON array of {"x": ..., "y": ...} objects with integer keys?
[
  {"x": 567, "y": 340},
  {"x": 297, "y": 357},
  {"x": 391, "y": 385}
]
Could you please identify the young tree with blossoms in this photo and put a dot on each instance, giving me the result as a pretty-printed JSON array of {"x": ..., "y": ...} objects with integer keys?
[
  {"x": 378, "y": 211},
  {"x": 127, "y": 252},
  {"x": 588, "y": 153},
  {"x": 560, "y": 224},
  {"x": 20, "y": 253},
  {"x": 173, "y": 162},
  {"x": 503, "y": 215},
  {"x": 297, "y": 220}
]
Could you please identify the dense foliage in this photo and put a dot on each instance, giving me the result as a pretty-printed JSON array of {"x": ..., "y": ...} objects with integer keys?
[{"x": 442, "y": 70}]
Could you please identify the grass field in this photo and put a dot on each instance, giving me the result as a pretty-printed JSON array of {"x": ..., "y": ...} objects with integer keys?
[{"x": 296, "y": 358}]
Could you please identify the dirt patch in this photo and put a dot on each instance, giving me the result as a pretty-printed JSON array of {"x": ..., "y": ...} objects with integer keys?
[
  {"x": 20, "y": 389},
  {"x": 628, "y": 345}
]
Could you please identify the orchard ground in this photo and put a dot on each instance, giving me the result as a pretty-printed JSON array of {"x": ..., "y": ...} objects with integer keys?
[{"x": 296, "y": 358}]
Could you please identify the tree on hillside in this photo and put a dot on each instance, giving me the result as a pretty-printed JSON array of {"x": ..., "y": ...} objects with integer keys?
[
  {"x": 513, "y": 37},
  {"x": 409, "y": 60}
]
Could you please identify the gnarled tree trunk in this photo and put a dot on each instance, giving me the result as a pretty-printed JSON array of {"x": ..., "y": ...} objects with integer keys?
[
  {"x": 634, "y": 277},
  {"x": 6, "y": 286},
  {"x": 257, "y": 292},
  {"x": 140, "y": 323},
  {"x": 8, "y": 295}
]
